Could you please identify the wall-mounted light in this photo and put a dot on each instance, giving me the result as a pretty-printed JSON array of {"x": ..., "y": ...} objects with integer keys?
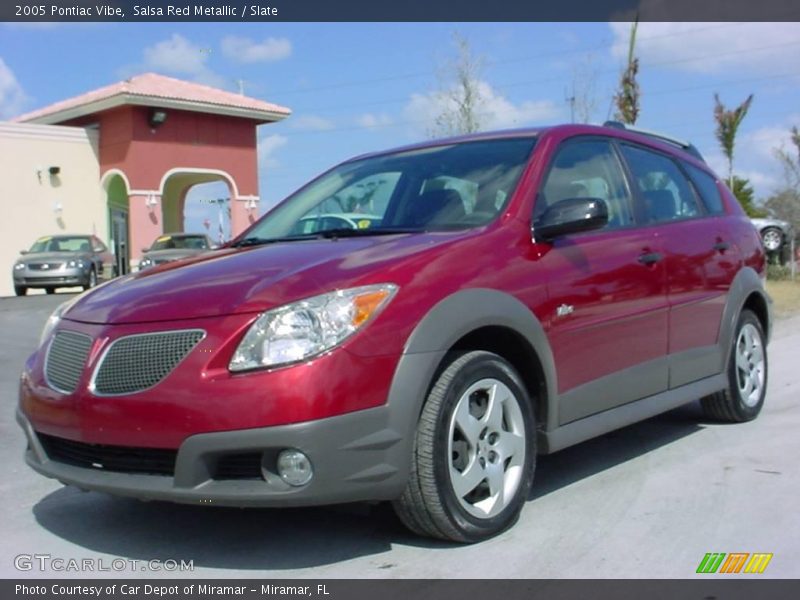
[
  {"x": 251, "y": 205},
  {"x": 54, "y": 171},
  {"x": 151, "y": 202},
  {"x": 58, "y": 208},
  {"x": 157, "y": 118}
]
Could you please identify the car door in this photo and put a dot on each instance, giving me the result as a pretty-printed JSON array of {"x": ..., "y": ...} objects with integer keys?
[
  {"x": 700, "y": 262},
  {"x": 606, "y": 315}
]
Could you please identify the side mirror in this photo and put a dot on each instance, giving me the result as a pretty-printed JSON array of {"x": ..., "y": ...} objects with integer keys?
[
  {"x": 145, "y": 249},
  {"x": 572, "y": 215},
  {"x": 23, "y": 251}
]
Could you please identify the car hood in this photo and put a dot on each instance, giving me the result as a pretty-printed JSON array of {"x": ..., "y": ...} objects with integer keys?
[{"x": 246, "y": 280}]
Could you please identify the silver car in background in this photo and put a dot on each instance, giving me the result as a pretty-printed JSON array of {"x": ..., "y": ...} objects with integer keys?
[
  {"x": 174, "y": 246},
  {"x": 776, "y": 236},
  {"x": 57, "y": 261}
]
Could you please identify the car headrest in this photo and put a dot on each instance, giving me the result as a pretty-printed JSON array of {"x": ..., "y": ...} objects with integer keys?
[{"x": 437, "y": 206}]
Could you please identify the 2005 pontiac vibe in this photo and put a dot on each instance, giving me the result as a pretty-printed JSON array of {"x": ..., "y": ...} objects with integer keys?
[{"x": 414, "y": 326}]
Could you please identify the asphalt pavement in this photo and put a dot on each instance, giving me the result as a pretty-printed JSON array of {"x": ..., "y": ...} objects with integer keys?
[{"x": 647, "y": 501}]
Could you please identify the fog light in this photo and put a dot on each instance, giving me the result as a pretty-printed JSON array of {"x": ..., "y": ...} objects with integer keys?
[{"x": 294, "y": 467}]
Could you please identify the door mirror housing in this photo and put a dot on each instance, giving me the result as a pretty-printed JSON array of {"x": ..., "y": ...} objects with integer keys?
[
  {"x": 572, "y": 215},
  {"x": 23, "y": 251}
]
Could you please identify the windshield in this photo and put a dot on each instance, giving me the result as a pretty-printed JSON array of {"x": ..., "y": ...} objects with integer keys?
[
  {"x": 440, "y": 188},
  {"x": 182, "y": 242},
  {"x": 62, "y": 244}
]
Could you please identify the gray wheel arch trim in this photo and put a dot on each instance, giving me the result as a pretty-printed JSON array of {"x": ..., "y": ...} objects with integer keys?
[
  {"x": 448, "y": 321},
  {"x": 746, "y": 283}
]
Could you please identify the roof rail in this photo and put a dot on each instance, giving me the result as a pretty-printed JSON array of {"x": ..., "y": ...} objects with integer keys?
[{"x": 662, "y": 137}]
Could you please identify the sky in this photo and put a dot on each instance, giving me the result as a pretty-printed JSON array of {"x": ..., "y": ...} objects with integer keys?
[{"x": 360, "y": 87}]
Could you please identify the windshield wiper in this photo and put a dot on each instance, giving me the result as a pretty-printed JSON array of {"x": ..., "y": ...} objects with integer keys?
[
  {"x": 344, "y": 232},
  {"x": 257, "y": 241}
]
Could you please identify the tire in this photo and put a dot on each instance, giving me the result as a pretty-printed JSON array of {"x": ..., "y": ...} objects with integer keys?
[
  {"x": 91, "y": 281},
  {"x": 50, "y": 291},
  {"x": 20, "y": 290},
  {"x": 477, "y": 419},
  {"x": 747, "y": 375},
  {"x": 772, "y": 238}
]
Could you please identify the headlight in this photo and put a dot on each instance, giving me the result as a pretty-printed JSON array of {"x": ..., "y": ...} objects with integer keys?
[
  {"x": 76, "y": 263},
  {"x": 19, "y": 266},
  {"x": 145, "y": 262},
  {"x": 53, "y": 320},
  {"x": 303, "y": 329}
]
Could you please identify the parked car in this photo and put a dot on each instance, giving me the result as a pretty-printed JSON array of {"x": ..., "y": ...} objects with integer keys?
[
  {"x": 776, "y": 236},
  {"x": 57, "y": 261},
  {"x": 173, "y": 246},
  {"x": 598, "y": 277}
]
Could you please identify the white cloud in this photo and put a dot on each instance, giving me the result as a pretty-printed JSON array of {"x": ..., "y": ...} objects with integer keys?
[
  {"x": 711, "y": 47},
  {"x": 267, "y": 146},
  {"x": 766, "y": 140},
  {"x": 495, "y": 110},
  {"x": 12, "y": 97},
  {"x": 371, "y": 121},
  {"x": 178, "y": 55},
  {"x": 245, "y": 50},
  {"x": 311, "y": 123}
]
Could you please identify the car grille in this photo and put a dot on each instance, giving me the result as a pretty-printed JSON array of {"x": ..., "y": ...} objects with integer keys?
[
  {"x": 144, "y": 461},
  {"x": 138, "y": 362},
  {"x": 45, "y": 266},
  {"x": 65, "y": 359},
  {"x": 122, "y": 459}
]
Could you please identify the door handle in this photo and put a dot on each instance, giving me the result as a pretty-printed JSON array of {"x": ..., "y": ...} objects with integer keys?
[
  {"x": 650, "y": 258},
  {"x": 721, "y": 246}
]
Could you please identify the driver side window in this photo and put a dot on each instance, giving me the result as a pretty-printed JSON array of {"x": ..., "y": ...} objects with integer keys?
[{"x": 587, "y": 169}]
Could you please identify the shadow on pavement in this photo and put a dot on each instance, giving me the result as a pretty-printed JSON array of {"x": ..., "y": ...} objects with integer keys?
[
  {"x": 563, "y": 468},
  {"x": 252, "y": 539}
]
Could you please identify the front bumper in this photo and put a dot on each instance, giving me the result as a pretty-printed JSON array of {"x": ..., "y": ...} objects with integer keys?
[
  {"x": 58, "y": 277},
  {"x": 356, "y": 457}
]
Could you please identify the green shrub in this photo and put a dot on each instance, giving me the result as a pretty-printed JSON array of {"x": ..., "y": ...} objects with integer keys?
[{"x": 779, "y": 272}]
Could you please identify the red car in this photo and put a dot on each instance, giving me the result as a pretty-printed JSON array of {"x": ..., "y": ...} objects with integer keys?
[{"x": 523, "y": 291}]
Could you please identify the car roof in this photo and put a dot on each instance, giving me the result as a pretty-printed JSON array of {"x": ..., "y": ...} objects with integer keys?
[{"x": 616, "y": 130}]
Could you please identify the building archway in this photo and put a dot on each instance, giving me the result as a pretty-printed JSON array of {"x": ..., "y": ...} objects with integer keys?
[
  {"x": 177, "y": 183},
  {"x": 115, "y": 184}
]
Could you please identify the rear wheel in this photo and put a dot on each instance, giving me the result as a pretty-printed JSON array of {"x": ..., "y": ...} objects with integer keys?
[
  {"x": 50, "y": 290},
  {"x": 474, "y": 452},
  {"x": 20, "y": 290},
  {"x": 747, "y": 375}
]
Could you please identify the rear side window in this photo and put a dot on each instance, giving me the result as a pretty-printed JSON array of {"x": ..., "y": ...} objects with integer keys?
[
  {"x": 707, "y": 187},
  {"x": 665, "y": 192},
  {"x": 587, "y": 169}
]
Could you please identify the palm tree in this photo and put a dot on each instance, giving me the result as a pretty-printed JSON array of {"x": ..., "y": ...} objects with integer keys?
[
  {"x": 627, "y": 98},
  {"x": 728, "y": 122}
]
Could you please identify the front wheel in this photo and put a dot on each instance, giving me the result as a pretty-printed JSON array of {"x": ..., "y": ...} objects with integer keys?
[
  {"x": 474, "y": 453},
  {"x": 747, "y": 375},
  {"x": 92, "y": 280},
  {"x": 20, "y": 290}
]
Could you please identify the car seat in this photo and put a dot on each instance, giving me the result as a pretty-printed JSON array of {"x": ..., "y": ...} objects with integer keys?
[{"x": 436, "y": 206}]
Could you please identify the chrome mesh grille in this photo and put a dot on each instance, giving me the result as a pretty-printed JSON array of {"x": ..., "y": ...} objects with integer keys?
[
  {"x": 65, "y": 359},
  {"x": 138, "y": 362}
]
